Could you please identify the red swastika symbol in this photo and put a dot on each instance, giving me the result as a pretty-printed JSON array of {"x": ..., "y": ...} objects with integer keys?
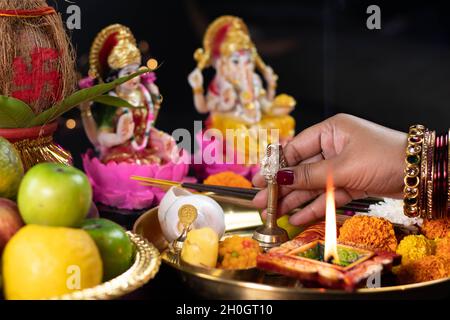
[{"x": 38, "y": 81}]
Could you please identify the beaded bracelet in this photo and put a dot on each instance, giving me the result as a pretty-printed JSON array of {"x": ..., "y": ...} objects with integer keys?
[
  {"x": 423, "y": 207},
  {"x": 430, "y": 174},
  {"x": 435, "y": 173},
  {"x": 427, "y": 180},
  {"x": 412, "y": 171}
]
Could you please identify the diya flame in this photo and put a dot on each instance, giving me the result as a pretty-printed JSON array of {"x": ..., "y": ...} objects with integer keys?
[{"x": 330, "y": 253}]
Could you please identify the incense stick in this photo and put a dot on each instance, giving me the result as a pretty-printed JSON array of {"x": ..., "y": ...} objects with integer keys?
[{"x": 244, "y": 195}]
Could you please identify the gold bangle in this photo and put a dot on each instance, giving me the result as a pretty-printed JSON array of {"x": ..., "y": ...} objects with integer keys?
[
  {"x": 423, "y": 175},
  {"x": 86, "y": 113},
  {"x": 430, "y": 174},
  {"x": 198, "y": 90},
  {"x": 412, "y": 172}
]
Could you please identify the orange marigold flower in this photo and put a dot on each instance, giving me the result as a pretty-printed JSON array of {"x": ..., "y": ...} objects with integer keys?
[
  {"x": 425, "y": 269},
  {"x": 443, "y": 247},
  {"x": 433, "y": 229},
  {"x": 228, "y": 179},
  {"x": 369, "y": 232}
]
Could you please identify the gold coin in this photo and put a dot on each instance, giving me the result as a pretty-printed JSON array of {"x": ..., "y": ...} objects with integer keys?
[{"x": 187, "y": 214}]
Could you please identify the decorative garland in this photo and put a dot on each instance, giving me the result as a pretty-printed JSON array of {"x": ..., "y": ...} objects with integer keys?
[{"x": 34, "y": 13}]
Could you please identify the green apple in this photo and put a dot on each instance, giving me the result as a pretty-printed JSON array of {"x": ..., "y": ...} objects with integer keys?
[
  {"x": 114, "y": 245},
  {"x": 54, "y": 195}
]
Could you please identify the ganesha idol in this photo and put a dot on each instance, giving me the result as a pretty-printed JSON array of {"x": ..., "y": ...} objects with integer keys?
[
  {"x": 237, "y": 99},
  {"x": 125, "y": 139}
]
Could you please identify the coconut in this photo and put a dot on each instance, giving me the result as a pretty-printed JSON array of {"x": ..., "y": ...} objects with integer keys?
[{"x": 36, "y": 57}]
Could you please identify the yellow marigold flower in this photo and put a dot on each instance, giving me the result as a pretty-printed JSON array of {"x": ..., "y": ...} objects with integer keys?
[{"x": 413, "y": 248}]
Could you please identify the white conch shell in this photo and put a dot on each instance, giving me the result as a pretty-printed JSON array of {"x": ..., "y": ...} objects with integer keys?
[{"x": 210, "y": 213}]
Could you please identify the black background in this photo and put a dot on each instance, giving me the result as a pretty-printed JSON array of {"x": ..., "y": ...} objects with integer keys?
[{"x": 322, "y": 50}]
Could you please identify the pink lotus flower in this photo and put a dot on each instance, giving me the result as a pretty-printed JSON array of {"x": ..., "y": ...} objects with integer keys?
[{"x": 113, "y": 187}]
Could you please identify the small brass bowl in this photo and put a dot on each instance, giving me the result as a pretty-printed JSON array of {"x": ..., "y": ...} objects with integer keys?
[{"x": 146, "y": 264}]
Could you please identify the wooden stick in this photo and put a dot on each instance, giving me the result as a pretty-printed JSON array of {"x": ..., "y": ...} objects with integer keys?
[{"x": 243, "y": 193}]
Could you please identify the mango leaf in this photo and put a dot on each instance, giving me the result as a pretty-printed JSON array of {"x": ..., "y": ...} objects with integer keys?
[
  {"x": 112, "y": 101},
  {"x": 14, "y": 113},
  {"x": 78, "y": 97}
]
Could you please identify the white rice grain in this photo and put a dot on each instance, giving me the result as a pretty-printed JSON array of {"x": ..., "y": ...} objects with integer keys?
[{"x": 392, "y": 210}]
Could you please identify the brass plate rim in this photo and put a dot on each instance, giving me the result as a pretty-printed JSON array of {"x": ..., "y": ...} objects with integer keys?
[{"x": 265, "y": 287}]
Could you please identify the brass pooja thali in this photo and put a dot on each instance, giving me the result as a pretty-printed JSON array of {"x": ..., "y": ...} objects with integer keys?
[{"x": 257, "y": 284}]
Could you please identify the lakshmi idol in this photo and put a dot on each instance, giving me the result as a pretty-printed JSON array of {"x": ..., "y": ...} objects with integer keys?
[
  {"x": 236, "y": 98},
  {"x": 125, "y": 139}
]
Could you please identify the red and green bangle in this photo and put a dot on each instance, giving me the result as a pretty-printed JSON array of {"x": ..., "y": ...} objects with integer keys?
[{"x": 412, "y": 172}]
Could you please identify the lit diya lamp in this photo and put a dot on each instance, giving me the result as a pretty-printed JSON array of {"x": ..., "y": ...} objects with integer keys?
[{"x": 316, "y": 258}]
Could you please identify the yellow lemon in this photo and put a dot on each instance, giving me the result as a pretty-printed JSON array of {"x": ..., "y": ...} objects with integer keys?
[
  {"x": 41, "y": 262},
  {"x": 292, "y": 231}
]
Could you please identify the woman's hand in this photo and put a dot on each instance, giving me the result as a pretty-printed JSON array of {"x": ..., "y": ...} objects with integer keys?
[{"x": 364, "y": 158}]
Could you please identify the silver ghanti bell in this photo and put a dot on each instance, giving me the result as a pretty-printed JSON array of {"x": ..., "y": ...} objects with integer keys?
[{"x": 270, "y": 235}]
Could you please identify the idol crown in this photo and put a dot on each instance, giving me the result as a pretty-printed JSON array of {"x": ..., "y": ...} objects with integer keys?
[{"x": 124, "y": 53}]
